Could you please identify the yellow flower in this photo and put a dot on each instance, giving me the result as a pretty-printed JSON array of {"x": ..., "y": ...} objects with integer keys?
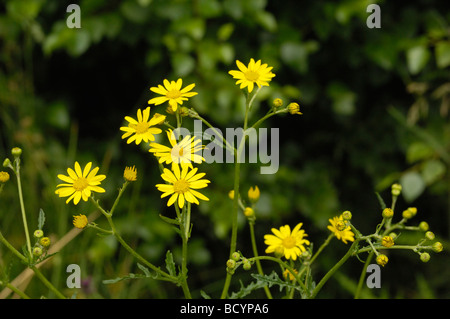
[
  {"x": 182, "y": 185},
  {"x": 294, "y": 108},
  {"x": 287, "y": 274},
  {"x": 291, "y": 243},
  {"x": 183, "y": 152},
  {"x": 382, "y": 260},
  {"x": 254, "y": 73},
  {"x": 172, "y": 92},
  {"x": 340, "y": 229},
  {"x": 130, "y": 174},
  {"x": 80, "y": 221},
  {"x": 79, "y": 184},
  {"x": 387, "y": 241},
  {"x": 253, "y": 194},
  {"x": 4, "y": 177},
  {"x": 45, "y": 241},
  {"x": 142, "y": 130}
]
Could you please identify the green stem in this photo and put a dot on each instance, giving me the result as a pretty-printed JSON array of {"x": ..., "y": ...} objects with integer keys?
[
  {"x": 15, "y": 290},
  {"x": 46, "y": 282},
  {"x": 13, "y": 250},
  {"x": 185, "y": 229},
  {"x": 127, "y": 247},
  {"x": 363, "y": 275},
  {"x": 255, "y": 253},
  {"x": 22, "y": 208},
  {"x": 334, "y": 269}
]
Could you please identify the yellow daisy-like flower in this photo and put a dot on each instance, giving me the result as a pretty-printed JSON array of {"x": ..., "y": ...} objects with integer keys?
[
  {"x": 291, "y": 243},
  {"x": 80, "y": 183},
  {"x": 130, "y": 174},
  {"x": 4, "y": 177},
  {"x": 141, "y": 129},
  {"x": 182, "y": 185},
  {"x": 340, "y": 229},
  {"x": 254, "y": 73},
  {"x": 172, "y": 92},
  {"x": 80, "y": 221},
  {"x": 183, "y": 152}
]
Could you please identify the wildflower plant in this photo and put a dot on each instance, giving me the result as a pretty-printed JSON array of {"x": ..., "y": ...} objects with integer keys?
[{"x": 183, "y": 182}]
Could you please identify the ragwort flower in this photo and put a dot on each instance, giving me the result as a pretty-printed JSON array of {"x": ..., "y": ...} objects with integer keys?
[
  {"x": 184, "y": 152},
  {"x": 80, "y": 183},
  {"x": 340, "y": 229},
  {"x": 291, "y": 243},
  {"x": 254, "y": 73},
  {"x": 182, "y": 185},
  {"x": 142, "y": 130},
  {"x": 172, "y": 92}
]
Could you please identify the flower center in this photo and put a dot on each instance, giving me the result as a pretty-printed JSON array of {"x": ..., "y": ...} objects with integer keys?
[
  {"x": 180, "y": 186},
  {"x": 252, "y": 75},
  {"x": 173, "y": 94},
  {"x": 289, "y": 242},
  {"x": 141, "y": 127},
  {"x": 80, "y": 184},
  {"x": 340, "y": 225}
]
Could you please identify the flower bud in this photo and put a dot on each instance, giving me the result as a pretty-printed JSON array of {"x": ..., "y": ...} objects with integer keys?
[
  {"x": 429, "y": 235},
  {"x": 437, "y": 247},
  {"x": 38, "y": 233},
  {"x": 382, "y": 260},
  {"x": 387, "y": 241},
  {"x": 253, "y": 194},
  {"x": 424, "y": 226},
  {"x": 396, "y": 189},
  {"x": 236, "y": 256},
  {"x": 4, "y": 177},
  {"x": 425, "y": 257},
  {"x": 37, "y": 251},
  {"x": 130, "y": 174},
  {"x": 231, "y": 263},
  {"x": 387, "y": 213},
  {"x": 347, "y": 215},
  {"x": 184, "y": 111},
  {"x": 231, "y": 194},
  {"x": 407, "y": 214},
  {"x": 16, "y": 151},
  {"x": 277, "y": 102},
  {"x": 45, "y": 241},
  {"x": 294, "y": 108},
  {"x": 393, "y": 235},
  {"x": 7, "y": 163},
  {"x": 249, "y": 212},
  {"x": 279, "y": 252},
  {"x": 246, "y": 264}
]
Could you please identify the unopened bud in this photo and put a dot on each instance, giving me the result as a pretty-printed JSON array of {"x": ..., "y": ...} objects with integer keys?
[
  {"x": 424, "y": 226},
  {"x": 429, "y": 235},
  {"x": 347, "y": 215},
  {"x": 38, "y": 233},
  {"x": 425, "y": 257},
  {"x": 387, "y": 213},
  {"x": 16, "y": 151},
  {"x": 396, "y": 189},
  {"x": 437, "y": 247}
]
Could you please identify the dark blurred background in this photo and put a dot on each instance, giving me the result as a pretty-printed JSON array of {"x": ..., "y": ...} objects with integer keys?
[{"x": 375, "y": 106}]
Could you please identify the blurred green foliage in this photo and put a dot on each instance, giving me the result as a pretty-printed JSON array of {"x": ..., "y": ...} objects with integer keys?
[{"x": 375, "y": 103}]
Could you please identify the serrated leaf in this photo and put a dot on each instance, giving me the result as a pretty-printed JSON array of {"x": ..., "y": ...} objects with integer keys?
[
  {"x": 118, "y": 279},
  {"x": 273, "y": 279},
  {"x": 246, "y": 290},
  {"x": 41, "y": 219},
  {"x": 144, "y": 270},
  {"x": 381, "y": 201},
  {"x": 170, "y": 264}
]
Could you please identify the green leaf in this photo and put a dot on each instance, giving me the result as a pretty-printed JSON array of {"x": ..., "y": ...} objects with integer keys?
[
  {"x": 432, "y": 171},
  {"x": 442, "y": 53},
  {"x": 418, "y": 151},
  {"x": 41, "y": 219},
  {"x": 412, "y": 185},
  {"x": 170, "y": 264},
  {"x": 381, "y": 201},
  {"x": 417, "y": 57},
  {"x": 273, "y": 279},
  {"x": 169, "y": 220}
]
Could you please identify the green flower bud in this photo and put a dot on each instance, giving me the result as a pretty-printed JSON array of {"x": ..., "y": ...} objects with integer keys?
[
  {"x": 38, "y": 233},
  {"x": 231, "y": 263},
  {"x": 424, "y": 226},
  {"x": 396, "y": 189},
  {"x": 437, "y": 247},
  {"x": 246, "y": 264},
  {"x": 236, "y": 256},
  {"x": 37, "y": 251},
  {"x": 425, "y": 257},
  {"x": 16, "y": 151},
  {"x": 45, "y": 241},
  {"x": 7, "y": 163},
  {"x": 429, "y": 235},
  {"x": 347, "y": 215}
]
